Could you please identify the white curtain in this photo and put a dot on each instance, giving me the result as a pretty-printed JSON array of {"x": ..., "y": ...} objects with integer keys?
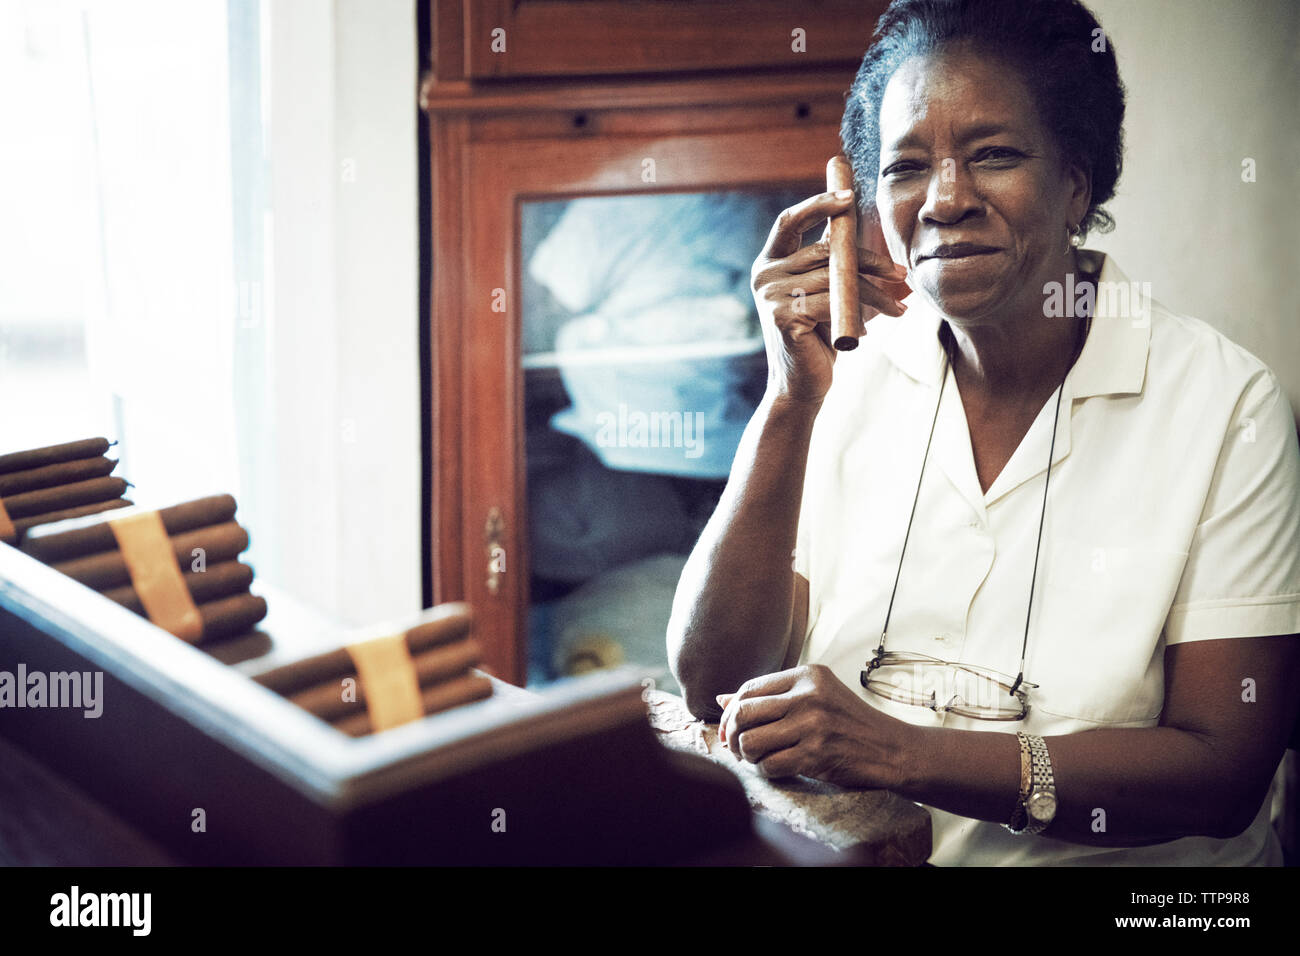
[{"x": 160, "y": 322}]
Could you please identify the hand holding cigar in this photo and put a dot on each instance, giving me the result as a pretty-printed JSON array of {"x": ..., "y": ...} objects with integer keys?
[{"x": 815, "y": 298}]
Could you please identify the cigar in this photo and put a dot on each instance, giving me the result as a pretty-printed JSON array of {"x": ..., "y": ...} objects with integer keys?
[
  {"x": 52, "y": 454},
  {"x": 46, "y": 476},
  {"x": 453, "y": 623},
  {"x": 223, "y": 617},
  {"x": 224, "y": 579},
  {"x": 92, "y": 537},
  {"x": 53, "y": 517},
  {"x": 108, "y": 569},
  {"x": 435, "y": 698},
  {"x": 231, "y": 616},
  {"x": 64, "y": 496},
  {"x": 435, "y": 666},
  {"x": 846, "y": 310}
]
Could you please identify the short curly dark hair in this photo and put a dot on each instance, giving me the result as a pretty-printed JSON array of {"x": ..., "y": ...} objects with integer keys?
[{"x": 1056, "y": 45}]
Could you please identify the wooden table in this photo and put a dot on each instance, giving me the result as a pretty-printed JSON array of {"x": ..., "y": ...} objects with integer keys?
[
  {"x": 45, "y": 820},
  {"x": 867, "y": 827}
]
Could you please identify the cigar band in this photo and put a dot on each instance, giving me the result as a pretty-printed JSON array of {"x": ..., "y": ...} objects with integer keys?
[
  {"x": 155, "y": 575},
  {"x": 388, "y": 677},
  {"x": 8, "y": 533}
]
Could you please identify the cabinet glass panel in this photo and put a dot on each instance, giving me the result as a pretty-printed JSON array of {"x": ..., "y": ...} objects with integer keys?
[{"x": 643, "y": 362}]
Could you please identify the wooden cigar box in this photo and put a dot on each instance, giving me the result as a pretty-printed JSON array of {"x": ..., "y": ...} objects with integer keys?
[{"x": 218, "y": 769}]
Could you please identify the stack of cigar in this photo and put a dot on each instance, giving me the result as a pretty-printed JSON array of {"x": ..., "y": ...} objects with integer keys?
[
  {"x": 440, "y": 652},
  {"x": 48, "y": 484},
  {"x": 204, "y": 542}
]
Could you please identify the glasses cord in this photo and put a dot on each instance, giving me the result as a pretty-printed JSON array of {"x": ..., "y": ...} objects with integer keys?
[
  {"x": 880, "y": 648},
  {"x": 1051, "y": 450}
]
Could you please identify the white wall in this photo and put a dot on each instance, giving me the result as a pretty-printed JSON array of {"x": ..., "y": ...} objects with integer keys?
[
  {"x": 378, "y": 301},
  {"x": 1209, "y": 84},
  {"x": 345, "y": 305}
]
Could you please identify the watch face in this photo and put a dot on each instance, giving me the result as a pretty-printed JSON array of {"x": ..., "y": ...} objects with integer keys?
[{"x": 1042, "y": 806}]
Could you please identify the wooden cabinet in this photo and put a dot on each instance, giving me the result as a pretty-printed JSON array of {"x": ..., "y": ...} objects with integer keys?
[{"x": 764, "y": 120}]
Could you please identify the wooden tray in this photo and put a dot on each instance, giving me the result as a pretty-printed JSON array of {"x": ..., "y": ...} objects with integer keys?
[{"x": 571, "y": 775}]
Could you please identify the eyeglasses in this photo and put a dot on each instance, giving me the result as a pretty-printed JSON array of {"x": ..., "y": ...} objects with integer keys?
[{"x": 967, "y": 690}]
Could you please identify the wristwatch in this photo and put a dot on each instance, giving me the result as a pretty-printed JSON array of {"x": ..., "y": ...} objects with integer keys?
[
  {"x": 1036, "y": 803},
  {"x": 1041, "y": 805}
]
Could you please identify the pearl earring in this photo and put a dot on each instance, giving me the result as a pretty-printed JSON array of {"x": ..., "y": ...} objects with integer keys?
[{"x": 1073, "y": 237}]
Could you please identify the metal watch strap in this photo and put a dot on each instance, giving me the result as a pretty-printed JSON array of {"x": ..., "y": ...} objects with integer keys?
[
  {"x": 1019, "y": 816},
  {"x": 1042, "y": 792}
]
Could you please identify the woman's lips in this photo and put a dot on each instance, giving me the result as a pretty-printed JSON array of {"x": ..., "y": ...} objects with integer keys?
[{"x": 958, "y": 256}]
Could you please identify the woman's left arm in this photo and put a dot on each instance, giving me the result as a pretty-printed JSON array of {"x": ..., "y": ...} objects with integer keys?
[{"x": 1228, "y": 711}]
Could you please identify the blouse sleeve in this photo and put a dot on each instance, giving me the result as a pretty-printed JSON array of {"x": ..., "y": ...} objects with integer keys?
[
  {"x": 1242, "y": 577},
  {"x": 823, "y": 457},
  {"x": 806, "y": 540}
]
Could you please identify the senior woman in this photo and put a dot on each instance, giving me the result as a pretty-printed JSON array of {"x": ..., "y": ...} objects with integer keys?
[{"x": 1089, "y": 661}]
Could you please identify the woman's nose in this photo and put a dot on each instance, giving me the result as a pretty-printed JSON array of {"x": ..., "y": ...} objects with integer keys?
[{"x": 950, "y": 195}]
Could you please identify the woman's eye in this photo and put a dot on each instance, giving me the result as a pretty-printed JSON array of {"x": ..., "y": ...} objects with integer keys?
[
  {"x": 894, "y": 169},
  {"x": 998, "y": 155}
]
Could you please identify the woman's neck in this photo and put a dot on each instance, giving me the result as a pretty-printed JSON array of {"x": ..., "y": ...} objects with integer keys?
[{"x": 1018, "y": 361}]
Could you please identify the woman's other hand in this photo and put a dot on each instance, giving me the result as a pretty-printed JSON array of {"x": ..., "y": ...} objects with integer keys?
[
  {"x": 792, "y": 291},
  {"x": 805, "y": 721}
]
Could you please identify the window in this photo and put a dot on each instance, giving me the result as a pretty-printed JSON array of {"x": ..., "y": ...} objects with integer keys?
[{"x": 212, "y": 259}]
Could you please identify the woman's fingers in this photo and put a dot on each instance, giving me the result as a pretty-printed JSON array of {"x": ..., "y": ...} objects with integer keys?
[
  {"x": 814, "y": 306},
  {"x": 757, "y": 743},
  {"x": 879, "y": 264},
  {"x": 809, "y": 295},
  {"x": 791, "y": 290},
  {"x": 766, "y": 690},
  {"x": 818, "y": 254},
  {"x": 819, "y": 280},
  {"x": 743, "y": 715},
  {"x": 899, "y": 289},
  {"x": 878, "y": 299},
  {"x": 823, "y": 331},
  {"x": 789, "y": 227},
  {"x": 787, "y": 762}
]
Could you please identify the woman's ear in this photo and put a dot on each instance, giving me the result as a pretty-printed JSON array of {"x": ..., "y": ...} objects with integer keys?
[{"x": 1080, "y": 186}]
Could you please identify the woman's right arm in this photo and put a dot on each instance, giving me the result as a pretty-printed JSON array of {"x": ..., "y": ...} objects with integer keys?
[{"x": 739, "y": 603}]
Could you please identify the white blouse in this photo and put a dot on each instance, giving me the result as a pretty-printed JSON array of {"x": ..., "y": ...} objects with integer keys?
[{"x": 1173, "y": 515}]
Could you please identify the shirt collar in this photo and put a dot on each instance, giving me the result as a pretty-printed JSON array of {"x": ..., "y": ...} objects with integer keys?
[{"x": 1113, "y": 360}]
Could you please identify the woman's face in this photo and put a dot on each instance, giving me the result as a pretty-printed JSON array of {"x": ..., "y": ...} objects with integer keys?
[{"x": 972, "y": 194}]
